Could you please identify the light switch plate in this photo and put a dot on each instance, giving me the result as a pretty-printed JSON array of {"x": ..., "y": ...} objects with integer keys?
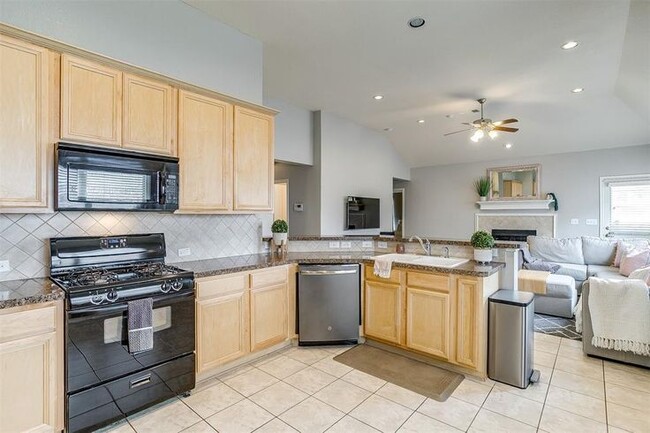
[
  {"x": 382, "y": 244},
  {"x": 335, "y": 244},
  {"x": 4, "y": 266},
  {"x": 575, "y": 221},
  {"x": 591, "y": 222},
  {"x": 346, "y": 244},
  {"x": 366, "y": 244},
  {"x": 182, "y": 252}
]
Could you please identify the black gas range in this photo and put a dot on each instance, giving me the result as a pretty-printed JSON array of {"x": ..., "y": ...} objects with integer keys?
[{"x": 107, "y": 280}]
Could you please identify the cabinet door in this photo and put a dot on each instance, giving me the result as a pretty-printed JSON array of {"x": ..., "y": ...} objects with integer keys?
[
  {"x": 24, "y": 124},
  {"x": 91, "y": 102},
  {"x": 205, "y": 149},
  {"x": 149, "y": 116},
  {"x": 467, "y": 322},
  {"x": 222, "y": 330},
  {"x": 28, "y": 384},
  {"x": 268, "y": 316},
  {"x": 383, "y": 312},
  {"x": 427, "y": 321},
  {"x": 253, "y": 160}
]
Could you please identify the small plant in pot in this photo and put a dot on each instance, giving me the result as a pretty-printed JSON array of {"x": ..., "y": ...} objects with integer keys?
[
  {"x": 483, "y": 242},
  {"x": 482, "y": 186},
  {"x": 280, "y": 229}
]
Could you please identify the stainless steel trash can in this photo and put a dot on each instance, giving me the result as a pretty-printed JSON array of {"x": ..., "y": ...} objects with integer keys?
[{"x": 511, "y": 338}]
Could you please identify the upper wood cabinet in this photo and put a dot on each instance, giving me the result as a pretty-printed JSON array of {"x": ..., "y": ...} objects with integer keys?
[
  {"x": 253, "y": 160},
  {"x": 91, "y": 102},
  {"x": 205, "y": 153},
  {"x": 24, "y": 126},
  {"x": 149, "y": 118}
]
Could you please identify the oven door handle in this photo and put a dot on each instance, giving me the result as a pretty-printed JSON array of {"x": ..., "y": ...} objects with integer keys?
[{"x": 109, "y": 309}]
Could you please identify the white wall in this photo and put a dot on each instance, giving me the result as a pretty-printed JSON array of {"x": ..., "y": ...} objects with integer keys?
[
  {"x": 293, "y": 133},
  {"x": 168, "y": 37},
  {"x": 354, "y": 161},
  {"x": 440, "y": 201}
]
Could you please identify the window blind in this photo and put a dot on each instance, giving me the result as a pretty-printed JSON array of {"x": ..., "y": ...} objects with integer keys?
[{"x": 629, "y": 206}]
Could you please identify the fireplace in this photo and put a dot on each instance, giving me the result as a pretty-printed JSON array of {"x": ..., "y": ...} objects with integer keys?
[{"x": 517, "y": 235}]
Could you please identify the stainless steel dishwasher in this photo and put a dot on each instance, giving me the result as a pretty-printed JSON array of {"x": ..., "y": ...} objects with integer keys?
[{"x": 329, "y": 309}]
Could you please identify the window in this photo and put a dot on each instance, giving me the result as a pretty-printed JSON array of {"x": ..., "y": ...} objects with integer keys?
[{"x": 625, "y": 206}]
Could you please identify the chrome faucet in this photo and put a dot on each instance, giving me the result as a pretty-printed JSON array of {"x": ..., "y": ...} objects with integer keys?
[
  {"x": 445, "y": 252},
  {"x": 426, "y": 247}
]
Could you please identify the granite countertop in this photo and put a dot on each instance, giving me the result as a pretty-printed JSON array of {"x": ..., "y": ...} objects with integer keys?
[
  {"x": 31, "y": 291},
  {"x": 228, "y": 265},
  {"x": 450, "y": 242}
]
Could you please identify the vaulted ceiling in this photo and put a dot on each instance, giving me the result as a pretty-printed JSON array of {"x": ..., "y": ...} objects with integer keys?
[{"x": 336, "y": 55}]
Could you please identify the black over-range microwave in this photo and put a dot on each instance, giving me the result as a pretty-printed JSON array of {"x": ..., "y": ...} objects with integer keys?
[{"x": 91, "y": 178}]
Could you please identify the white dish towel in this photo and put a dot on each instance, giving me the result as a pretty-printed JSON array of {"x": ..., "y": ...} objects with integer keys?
[
  {"x": 620, "y": 315},
  {"x": 383, "y": 266}
]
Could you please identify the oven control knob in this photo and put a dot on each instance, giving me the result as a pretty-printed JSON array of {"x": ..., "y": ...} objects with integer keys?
[
  {"x": 112, "y": 296},
  {"x": 96, "y": 298},
  {"x": 177, "y": 285},
  {"x": 165, "y": 287}
]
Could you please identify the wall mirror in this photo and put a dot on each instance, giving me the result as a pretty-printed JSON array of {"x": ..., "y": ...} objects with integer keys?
[{"x": 515, "y": 183}]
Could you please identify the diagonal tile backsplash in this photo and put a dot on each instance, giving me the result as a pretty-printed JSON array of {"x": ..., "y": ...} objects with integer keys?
[{"x": 24, "y": 238}]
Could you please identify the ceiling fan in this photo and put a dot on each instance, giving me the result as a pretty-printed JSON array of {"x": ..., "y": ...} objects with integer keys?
[{"x": 485, "y": 126}]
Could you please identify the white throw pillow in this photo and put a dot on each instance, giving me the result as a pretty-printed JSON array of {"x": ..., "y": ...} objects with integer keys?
[{"x": 641, "y": 274}]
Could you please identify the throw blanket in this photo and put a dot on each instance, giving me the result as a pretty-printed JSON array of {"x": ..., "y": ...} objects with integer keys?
[
  {"x": 620, "y": 315},
  {"x": 532, "y": 281},
  {"x": 382, "y": 267}
]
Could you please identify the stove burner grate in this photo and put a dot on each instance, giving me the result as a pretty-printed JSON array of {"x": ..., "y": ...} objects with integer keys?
[{"x": 95, "y": 276}]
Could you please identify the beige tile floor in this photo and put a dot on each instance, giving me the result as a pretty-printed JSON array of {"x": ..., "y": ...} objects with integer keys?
[{"x": 303, "y": 389}]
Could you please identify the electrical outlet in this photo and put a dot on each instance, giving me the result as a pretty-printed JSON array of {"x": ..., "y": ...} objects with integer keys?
[
  {"x": 575, "y": 221},
  {"x": 495, "y": 252},
  {"x": 382, "y": 244},
  {"x": 335, "y": 244},
  {"x": 5, "y": 266},
  {"x": 591, "y": 222},
  {"x": 346, "y": 244},
  {"x": 182, "y": 252},
  {"x": 366, "y": 244}
]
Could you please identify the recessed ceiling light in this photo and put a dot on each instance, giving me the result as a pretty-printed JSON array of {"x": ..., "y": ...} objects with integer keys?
[
  {"x": 421, "y": 121},
  {"x": 388, "y": 129},
  {"x": 378, "y": 97},
  {"x": 577, "y": 90},
  {"x": 569, "y": 45},
  {"x": 508, "y": 145},
  {"x": 416, "y": 22}
]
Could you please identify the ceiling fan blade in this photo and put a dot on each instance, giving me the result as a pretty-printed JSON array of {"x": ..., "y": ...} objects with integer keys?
[
  {"x": 505, "y": 122},
  {"x": 468, "y": 124},
  {"x": 505, "y": 129},
  {"x": 456, "y": 132}
]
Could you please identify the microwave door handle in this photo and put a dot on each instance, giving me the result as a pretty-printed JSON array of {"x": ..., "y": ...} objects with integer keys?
[{"x": 162, "y": 187}]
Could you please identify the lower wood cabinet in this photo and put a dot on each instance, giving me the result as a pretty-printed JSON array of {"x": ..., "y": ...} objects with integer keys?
[
  {"x": 383, "y": 311},
  {"x": 428, "y": 321},
  {"x": 31, "y": 368},
  {"x": 468, "y": 324},
  {"x": 240, "y": 313}
]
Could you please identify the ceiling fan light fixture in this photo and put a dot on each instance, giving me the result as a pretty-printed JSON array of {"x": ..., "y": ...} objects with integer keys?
[
  {"x": 493, "y": 134},
  {"x": 569, "y": 45},
  {"x": 477, "y": 136}
]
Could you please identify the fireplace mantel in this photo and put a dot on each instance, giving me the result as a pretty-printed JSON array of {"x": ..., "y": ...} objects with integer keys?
[{"x": 514, "y": 204}]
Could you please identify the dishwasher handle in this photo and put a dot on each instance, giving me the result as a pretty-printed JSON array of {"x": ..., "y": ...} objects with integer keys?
[{"x": 326, "y": 272}]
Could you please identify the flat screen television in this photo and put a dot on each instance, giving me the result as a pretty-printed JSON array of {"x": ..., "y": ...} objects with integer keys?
[{"x": 361, "y": 213}]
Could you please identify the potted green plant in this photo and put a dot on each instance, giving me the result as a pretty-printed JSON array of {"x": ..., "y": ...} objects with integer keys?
[
  {"x": 482, "y": 186},
  {"x": 279, "y": 229},
  {"x": 483, "y": 242}
]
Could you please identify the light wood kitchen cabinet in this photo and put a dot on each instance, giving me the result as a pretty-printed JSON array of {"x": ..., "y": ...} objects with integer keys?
[
  {"x": 205, "y": 153},
  {"x": 222, "y": 320},
  {"x": 91, "y": 102},
  {"x": 268, "y": 316},
  {"x": 427, "y": 321},
  {"x": 31, "y": 368},
  {"x": 149, "y": 118},
  {"x": 253, "y": 160},
  {"x": 468, "y": 326},
  {"x": 383, "y": 311},
  {"x": 25, "y": 145}
]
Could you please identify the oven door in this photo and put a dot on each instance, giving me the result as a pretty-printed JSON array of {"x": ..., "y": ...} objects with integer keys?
[
  {"x": 91, "y": 178},
  {"x": 97, "y": 340}
]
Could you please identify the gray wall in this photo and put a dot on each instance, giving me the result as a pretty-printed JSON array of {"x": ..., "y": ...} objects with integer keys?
[
  {"x": 355, "y": 161},
  {"x": 440, "y": 201},
  {"x": 293, "y": 133},
  {"x": 304, "y": 187},
  {"x": 168, "y": 37}
]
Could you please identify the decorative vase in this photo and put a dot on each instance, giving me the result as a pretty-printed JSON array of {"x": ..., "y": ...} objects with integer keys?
[
  {"x": 279, "y": 238},
  {"x": 482, "y": 198},
  {"x": 483, "y": 255}
]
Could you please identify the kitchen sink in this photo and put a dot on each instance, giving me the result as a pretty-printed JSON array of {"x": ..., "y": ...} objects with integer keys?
[{"x": 417, "y": 259}]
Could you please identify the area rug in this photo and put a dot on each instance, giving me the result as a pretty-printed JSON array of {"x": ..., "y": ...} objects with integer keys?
[
  {"x": 558, "y": 326},
  {"x": 424, "y": 379}
]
